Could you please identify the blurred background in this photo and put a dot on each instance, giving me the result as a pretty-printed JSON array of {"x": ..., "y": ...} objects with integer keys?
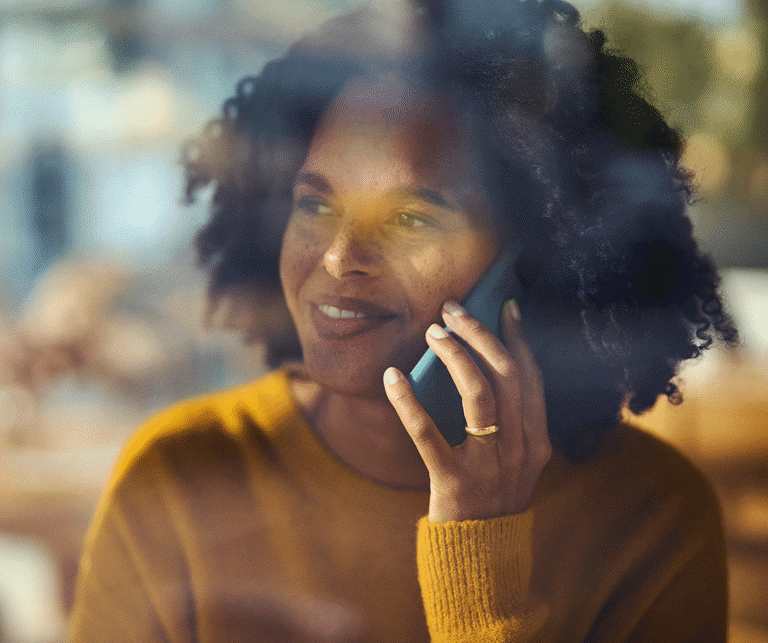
[{"x": 101, "y": 309}]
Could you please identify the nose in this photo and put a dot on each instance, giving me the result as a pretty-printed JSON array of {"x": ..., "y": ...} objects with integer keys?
[{"x": 353, "y": 251}]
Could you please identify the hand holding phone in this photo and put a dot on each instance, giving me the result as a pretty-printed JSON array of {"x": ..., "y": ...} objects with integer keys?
[{"x": 431, "y": 382}]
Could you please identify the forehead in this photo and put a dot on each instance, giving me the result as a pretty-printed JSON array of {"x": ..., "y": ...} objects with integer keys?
[{"x": 384, "y": 131}]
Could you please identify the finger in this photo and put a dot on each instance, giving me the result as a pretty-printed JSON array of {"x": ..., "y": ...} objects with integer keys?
[
  {"x": 500, "y": 366},
  {"x": 477, "y": 396},
  {"x": 517, "y": 341},
  {"x": 531, "y": 382},
  {"x": 479, "y": 337},
  {"x": 434, "y": 450}
]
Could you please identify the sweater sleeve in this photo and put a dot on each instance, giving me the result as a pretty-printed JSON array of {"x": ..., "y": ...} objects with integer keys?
[
  {"x": 474, "y": 578},
  {"x": 645, "y": 565}
]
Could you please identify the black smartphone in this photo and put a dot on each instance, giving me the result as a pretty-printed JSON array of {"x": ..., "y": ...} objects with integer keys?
[{"x": 430, "y": 379}]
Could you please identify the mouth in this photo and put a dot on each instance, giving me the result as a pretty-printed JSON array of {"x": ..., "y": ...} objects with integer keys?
[
  {"x": 348, "y": 317},
  {"x": 338, "y": 313}
]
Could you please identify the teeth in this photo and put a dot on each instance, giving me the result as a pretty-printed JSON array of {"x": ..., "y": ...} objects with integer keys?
[{"x": 338, "y": 313}]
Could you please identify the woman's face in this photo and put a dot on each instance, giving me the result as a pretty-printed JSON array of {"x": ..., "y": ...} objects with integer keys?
[{"x": 389, "y": 220}]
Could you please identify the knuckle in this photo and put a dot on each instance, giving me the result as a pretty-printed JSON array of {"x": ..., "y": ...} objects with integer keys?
[
  {"x": 474, "y": 326},
  {"x": 420, "y": 430},
  {"x": 481, "y": 395},
  {"x": 399, "y": 396},
  {"x": 543, "y": 452},
  {"x": 452, "y": 349},
  {"x": 508, "y": 368}
]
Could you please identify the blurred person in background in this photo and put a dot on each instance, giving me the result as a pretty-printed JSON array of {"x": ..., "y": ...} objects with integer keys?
[{"x": 371, "y": 177}]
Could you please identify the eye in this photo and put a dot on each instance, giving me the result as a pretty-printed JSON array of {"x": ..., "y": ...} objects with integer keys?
[
  {"x": 407, "y": 219},
  {"x": 313, "y": 206}
]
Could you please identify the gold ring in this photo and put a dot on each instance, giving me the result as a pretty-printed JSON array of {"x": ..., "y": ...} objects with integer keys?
[{"x": 482, "y": 430}]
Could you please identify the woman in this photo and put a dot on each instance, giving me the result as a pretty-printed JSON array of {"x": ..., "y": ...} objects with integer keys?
[{"x": 376, "y": 172}]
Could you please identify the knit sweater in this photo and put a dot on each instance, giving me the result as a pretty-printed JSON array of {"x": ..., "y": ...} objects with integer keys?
[{"x": 227, "y": 515}]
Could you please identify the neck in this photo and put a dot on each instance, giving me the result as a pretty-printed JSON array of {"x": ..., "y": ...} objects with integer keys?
[{"x": 365, "y": 433}]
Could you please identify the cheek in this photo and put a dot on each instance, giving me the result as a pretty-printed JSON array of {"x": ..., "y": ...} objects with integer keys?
[
  {"x": 297, "y": 256},
  {"x": 449, "y": 273},
  {"x": 431, "y": 278}
]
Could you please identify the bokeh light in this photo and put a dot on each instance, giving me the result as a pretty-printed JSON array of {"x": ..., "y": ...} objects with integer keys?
[{"x": 709, "y": 159}]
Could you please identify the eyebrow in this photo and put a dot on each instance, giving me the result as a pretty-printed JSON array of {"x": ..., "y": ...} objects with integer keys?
[
  {"x": 435, "y": 197},
  {"x": 316, "y": 181},
  {"x": 428, "y": 195}
]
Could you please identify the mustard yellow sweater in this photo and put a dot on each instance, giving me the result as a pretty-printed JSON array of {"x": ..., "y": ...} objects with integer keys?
[{"x": 226, "y": 514}]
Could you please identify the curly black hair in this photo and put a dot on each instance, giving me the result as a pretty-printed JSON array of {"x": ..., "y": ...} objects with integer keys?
[{"x": 583, "y": 169}]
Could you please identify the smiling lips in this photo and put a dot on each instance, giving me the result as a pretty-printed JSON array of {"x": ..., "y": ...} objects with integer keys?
[
  {"x": 348, "y": 317},
  {"x": 338, "y": 313}
]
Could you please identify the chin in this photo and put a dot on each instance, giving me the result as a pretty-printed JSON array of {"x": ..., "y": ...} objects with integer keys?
[
  {"x": 354, "y": 375},
  {"x": 348, "y": 381}
]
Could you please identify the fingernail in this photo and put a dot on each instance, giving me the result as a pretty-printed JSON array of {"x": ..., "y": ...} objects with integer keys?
[
  {"x": 452, "y": 308},
  {"x": 513, "y": 309},
  {"x": 392, "y": 375},
  {"x": 437, "y": 332}
]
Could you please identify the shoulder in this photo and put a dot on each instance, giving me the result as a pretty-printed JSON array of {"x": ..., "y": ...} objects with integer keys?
[
  {"x": 637, "y": 487},
  {"x": 206, "y": 428},
  {"x": 656, "y": 472},
  {"x": 656, "y": 468},
  {"x": 196, "y": 456},
  {"x": 639, "y": 527}
]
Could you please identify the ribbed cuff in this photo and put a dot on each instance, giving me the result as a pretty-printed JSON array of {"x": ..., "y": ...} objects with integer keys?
[{"x": 474, "y": 574}]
